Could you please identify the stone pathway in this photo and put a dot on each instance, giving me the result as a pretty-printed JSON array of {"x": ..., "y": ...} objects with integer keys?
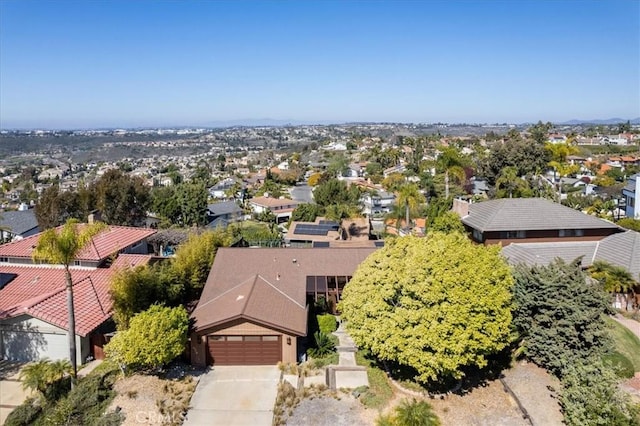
[{"x": 347, "y": 373}]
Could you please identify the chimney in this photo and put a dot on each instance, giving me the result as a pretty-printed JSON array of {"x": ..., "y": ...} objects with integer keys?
[
  {"x": 461, "y": 207},
  {"x": 91, "y": 219}
]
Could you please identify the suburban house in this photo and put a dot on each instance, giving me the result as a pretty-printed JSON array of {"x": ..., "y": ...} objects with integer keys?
[
  {"x": 378, "y": 203},
  {"x": 33, "y": 312},
  {"x": 622, "y": 249},
  {"x": 631, "y": 194},
  {"x": 220, "y": 215},
  {"x": 510, "y": 220},
  {"x": 354, "y": 232},
  {"x": 221, "y": 189},
  {"x": 280, "y": 207},
  {"x": 15, "y": 225},
  {"x": 255, "y": 304}
]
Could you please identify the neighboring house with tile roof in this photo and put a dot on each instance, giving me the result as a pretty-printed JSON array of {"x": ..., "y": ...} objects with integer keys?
[
  {"x": 280, "y": 207},
  {"x": 107, "y": 244},
  {"x": 508, "y": 220},
  {"x": 631, "y": 193},
  {"x": 33, "y": 312},
  {"x": 15, "y": 225},
  {"x": 254, "y": 306}
]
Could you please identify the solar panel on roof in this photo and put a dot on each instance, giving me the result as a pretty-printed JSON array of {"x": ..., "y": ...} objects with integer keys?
[
  {"x": 321, "y": 244},
  {"x": 6, "y": 278}
]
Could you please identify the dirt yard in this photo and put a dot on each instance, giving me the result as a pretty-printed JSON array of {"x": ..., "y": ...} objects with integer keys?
[{"x": 148, "y": 399}]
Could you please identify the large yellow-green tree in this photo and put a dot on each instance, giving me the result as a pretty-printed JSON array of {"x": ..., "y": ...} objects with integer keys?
[
  {"x": 61, "y": 246},
  {"x": 435, "y": 304}
]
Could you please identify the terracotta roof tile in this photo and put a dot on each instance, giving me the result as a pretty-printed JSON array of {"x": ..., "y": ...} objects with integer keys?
[
  {"x": 108, "y": 242},
  {"x": 40, "y": 291}
]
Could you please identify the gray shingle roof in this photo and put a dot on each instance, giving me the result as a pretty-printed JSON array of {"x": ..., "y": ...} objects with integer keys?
[
  {"x": 225, "y": 207},
  {"x": 543, "y": 253},
  {"x": 618, "y": 249},
  {"x": 622, "y": 250},
  {"x": 18, "y": 222},
  {"x": 528, "y": 214}
]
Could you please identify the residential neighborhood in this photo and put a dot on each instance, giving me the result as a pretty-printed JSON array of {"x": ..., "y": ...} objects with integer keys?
[{"x": 311, "y": 260}]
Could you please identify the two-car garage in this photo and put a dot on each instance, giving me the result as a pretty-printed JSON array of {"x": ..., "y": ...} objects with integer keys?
[{"x": 244, "y": 350}]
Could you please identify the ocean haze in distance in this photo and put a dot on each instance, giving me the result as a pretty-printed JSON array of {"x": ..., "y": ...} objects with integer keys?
[{"x": 214, "y": 64}]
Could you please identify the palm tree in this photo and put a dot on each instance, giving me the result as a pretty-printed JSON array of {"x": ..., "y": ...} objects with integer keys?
[
  {"x": 61, "y": 247},
  {"x": 451, "y": 163},
  {"x": 509, "y": 182},
  {"x": 613, "y": 278},
  {"x": 410, "y": 197},
  {"x": 43, "y": 377}
]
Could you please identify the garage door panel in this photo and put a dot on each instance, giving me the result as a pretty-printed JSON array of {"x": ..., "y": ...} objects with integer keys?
[{"x": 244, "y": 350}]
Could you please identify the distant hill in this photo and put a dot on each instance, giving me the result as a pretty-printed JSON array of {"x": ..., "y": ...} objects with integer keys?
[{"x": 607, "y": 121}]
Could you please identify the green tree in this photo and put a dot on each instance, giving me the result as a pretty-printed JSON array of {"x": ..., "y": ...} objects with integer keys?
[
  {"x": 61, "y": 247},
  {"x": 410, "y": 198},
  {"x": 154, "y": 338},
  {"x": 629, "y": 223},
  {"x": 528, "y": 158},
  {"x": 435, "y": 304},
  {"x": 559, "y": 314},
  {"x": 335, "y": 191},
  {"x": 193, "y": 203},
  {"x": 192, "y": 262},
  {"x": 614, "y": 279},
  {"x": 539, "y": 132},
  {"x": 306, "y": 212},
  {"x": 451, "y": 163},
  {"x": 509, "y": 184},
  {"x": 134, "y": 290},
  {"x": 447, "y": 222},
  {"x": 122, "y": 199}
]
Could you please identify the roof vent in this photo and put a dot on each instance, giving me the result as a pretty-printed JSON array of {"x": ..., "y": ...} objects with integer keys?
[{"x": 239, "y": 298}]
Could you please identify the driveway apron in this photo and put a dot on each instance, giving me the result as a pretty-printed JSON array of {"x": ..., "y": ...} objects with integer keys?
[{"x": 235, "y": 396}]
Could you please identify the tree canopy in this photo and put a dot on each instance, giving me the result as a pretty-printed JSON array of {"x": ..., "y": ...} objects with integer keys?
[
  {"x": 154, "y": 338},
  {"x": 559, "y": 314},
  {"x": 435, "y": 304}
]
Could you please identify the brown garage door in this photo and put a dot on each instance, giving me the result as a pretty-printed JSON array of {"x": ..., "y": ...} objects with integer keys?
[{"x": 244, "y": 350}]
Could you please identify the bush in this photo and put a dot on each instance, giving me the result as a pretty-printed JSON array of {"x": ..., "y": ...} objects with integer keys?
[
  {"x": 410, "y": 413},
  {"x": 590, "y": 397},
  {"x": 24, "y": 414},
  {"x": 324, "y": 345},
  {"x": 154, "y": 338},
  {"x": 327, "y": 323},
  {"x": 622, "y": 365}
]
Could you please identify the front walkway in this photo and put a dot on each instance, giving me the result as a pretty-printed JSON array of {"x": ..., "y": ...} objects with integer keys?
[
  {"x": 235, "y": 396},
  {"x": 632, "y": 325},
  {"x": 11, "y": 392},
  {"x": 347, "y": 374}
]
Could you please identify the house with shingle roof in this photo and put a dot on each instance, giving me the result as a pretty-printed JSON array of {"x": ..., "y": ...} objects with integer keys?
[
  {"x": 622, "y": 249},
  {"x": 509, "y": 220},
  {"x": 255, "y": 304},
  {"x": 33, "y": 310},
  {"x": 15, "y": 225}
]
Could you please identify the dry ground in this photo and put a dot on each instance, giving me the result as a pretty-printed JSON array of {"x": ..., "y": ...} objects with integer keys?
[{"x": 148, "y": 399}]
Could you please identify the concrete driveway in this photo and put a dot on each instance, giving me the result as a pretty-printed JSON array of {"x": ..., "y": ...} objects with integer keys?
[
  {"x": 235, "y": 396},
  {"x": 11, "y": 392}
]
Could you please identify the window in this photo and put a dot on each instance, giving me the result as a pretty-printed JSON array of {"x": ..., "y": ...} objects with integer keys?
[
  {"x": 478, "y": 236},
  {"x": 251, "y": 338},
  {"x": 269, "y": 338},
  {"x": 234, "y": 338},
  {"x": 571, "y": 232},
  {"x": 513, "y": 234},
  {"x": 4, "y": 259}
]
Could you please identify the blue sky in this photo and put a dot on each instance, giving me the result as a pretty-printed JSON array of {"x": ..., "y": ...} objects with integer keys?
[{"x": 140, "y": 63}]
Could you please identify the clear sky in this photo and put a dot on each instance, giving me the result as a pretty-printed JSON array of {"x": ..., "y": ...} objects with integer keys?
[{"x": 165, "y": 63}]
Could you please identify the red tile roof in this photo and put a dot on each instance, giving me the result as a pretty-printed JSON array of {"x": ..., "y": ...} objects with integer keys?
[
  {"x": 39, "y": 291},
  {"x": 110, "y": 241}
]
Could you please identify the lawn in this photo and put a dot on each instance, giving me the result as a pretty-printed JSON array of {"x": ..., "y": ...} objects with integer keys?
[
  {"x": 380, "y": 391},
  {"x": 626, "y": 343}
]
